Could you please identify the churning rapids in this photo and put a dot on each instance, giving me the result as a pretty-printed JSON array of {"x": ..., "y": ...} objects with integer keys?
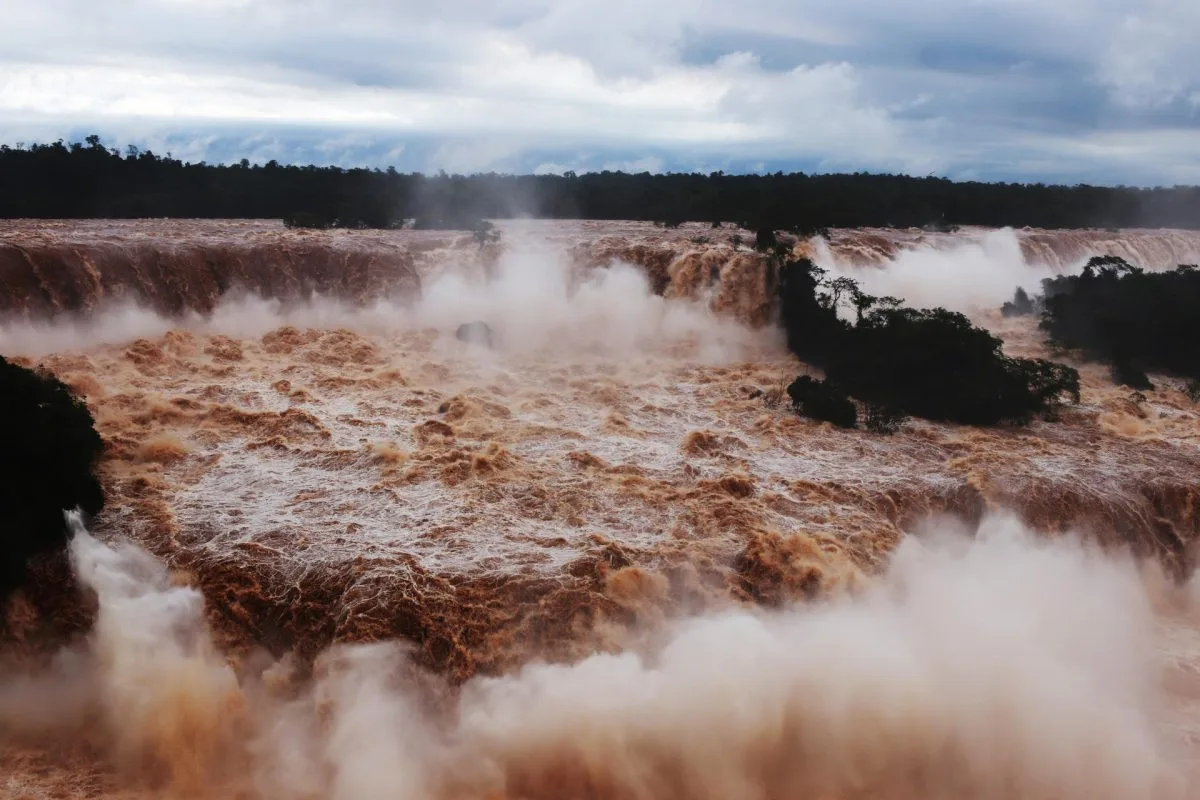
[{"x": 349, "y": 555}]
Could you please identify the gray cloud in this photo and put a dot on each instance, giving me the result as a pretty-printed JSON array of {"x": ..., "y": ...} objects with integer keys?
[{"x": 1099, "y": 90}]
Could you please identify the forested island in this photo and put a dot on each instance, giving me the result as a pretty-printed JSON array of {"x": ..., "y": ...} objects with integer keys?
[{"x": 91, "y": 180}]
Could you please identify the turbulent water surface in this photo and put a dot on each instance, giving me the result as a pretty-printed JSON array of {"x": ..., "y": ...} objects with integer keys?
[{"x": 348, "y": 554}]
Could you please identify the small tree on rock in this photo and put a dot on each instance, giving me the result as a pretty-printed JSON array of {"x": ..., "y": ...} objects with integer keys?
[{"x": 822, "y": 400}]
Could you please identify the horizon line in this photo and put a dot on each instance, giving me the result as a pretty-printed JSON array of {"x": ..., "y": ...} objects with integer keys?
[{"x": 131, "y": 149}]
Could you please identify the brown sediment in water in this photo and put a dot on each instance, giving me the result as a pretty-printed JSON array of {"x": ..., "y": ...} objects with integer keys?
[
  {"x": 375, "y": 482},
  {"x": 48, "y": 270},
  {"x": 1057, "y": 249},
  {"x": 492, "y": 521}
]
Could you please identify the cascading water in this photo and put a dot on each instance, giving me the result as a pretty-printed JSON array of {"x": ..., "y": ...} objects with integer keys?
[{"x": 291, "y": 421}]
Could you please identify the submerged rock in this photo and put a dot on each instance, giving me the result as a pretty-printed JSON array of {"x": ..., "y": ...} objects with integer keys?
[{"x": 476, "y": 333}]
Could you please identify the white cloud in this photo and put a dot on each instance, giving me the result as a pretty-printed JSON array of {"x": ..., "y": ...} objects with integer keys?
[
  {"x": 1151, "y": 60},
  {"x": 911, "y": 85},
  {"x": 550, "y": 168},
  {"x": 651, "y": 164}
]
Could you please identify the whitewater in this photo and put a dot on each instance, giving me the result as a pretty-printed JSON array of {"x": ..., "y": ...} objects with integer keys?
[{"x": 348, "y": 555}]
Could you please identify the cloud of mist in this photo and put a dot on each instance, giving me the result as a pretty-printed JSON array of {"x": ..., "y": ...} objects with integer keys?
[
  {"x": 536, "y": 302},
  {"x": 115, "y": 324},
  {"x": 992, "y": 665},
  {"x": 968, "y": 275},
  {"x": 532, "y": 297},
  {"x": 166, "y": 696},
  {"x": 1002, "y": 667}
]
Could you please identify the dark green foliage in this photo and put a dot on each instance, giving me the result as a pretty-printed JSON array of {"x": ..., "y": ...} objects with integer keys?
[
  {"x": 765, "y": 240},
  {"x": 934, "y": 364},
  {"x": 1123, "y": 373},
  {"x": 448, "y": 222},
  {"x": 822, "y": 400},
  {"x": 926, "y": 363},
  {"x": 1049, "y": 383},
  {"x": 63, "y": 180},
  {"x": 813, "y": 328},
  {"x": 485, "y": 233},
  {"x": 1132, "y": 319},
  {"x": 48, "y": 447},
  {"x": 1021, "y": 305}
]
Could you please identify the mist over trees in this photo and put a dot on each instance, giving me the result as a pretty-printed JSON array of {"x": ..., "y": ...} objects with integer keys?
[
  {"x": 1132, "y": 319},
  {"x": 48, "y": 449},
  {"x": 88, "y": 179},
  {"x": 898, "y": 361}
]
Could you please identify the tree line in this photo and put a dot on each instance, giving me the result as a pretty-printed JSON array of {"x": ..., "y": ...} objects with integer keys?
[
  {"x": 90, "y": 180},
  {"x": 1133, "y": 320}
]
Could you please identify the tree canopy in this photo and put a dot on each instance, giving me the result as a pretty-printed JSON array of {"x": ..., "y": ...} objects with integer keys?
[
  {"x": 48, "y": 448},
  {"x": 1132, "y": 319},
  {"x": 88, "y": 179},
  {"x": 929, "y": 363}
]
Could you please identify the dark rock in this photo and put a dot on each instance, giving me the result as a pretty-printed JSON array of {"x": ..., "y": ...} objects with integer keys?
[{"x": 476, "y": 333}]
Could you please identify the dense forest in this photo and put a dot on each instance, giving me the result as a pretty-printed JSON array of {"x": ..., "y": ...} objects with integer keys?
[
  {"x": 899, "y": 361},
  {"x": 1120, "y": 314},
  {"x": 88, "y": 179}
]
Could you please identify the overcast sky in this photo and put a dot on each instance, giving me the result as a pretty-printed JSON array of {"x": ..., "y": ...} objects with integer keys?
[{"x": 1103, "y": 91}]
